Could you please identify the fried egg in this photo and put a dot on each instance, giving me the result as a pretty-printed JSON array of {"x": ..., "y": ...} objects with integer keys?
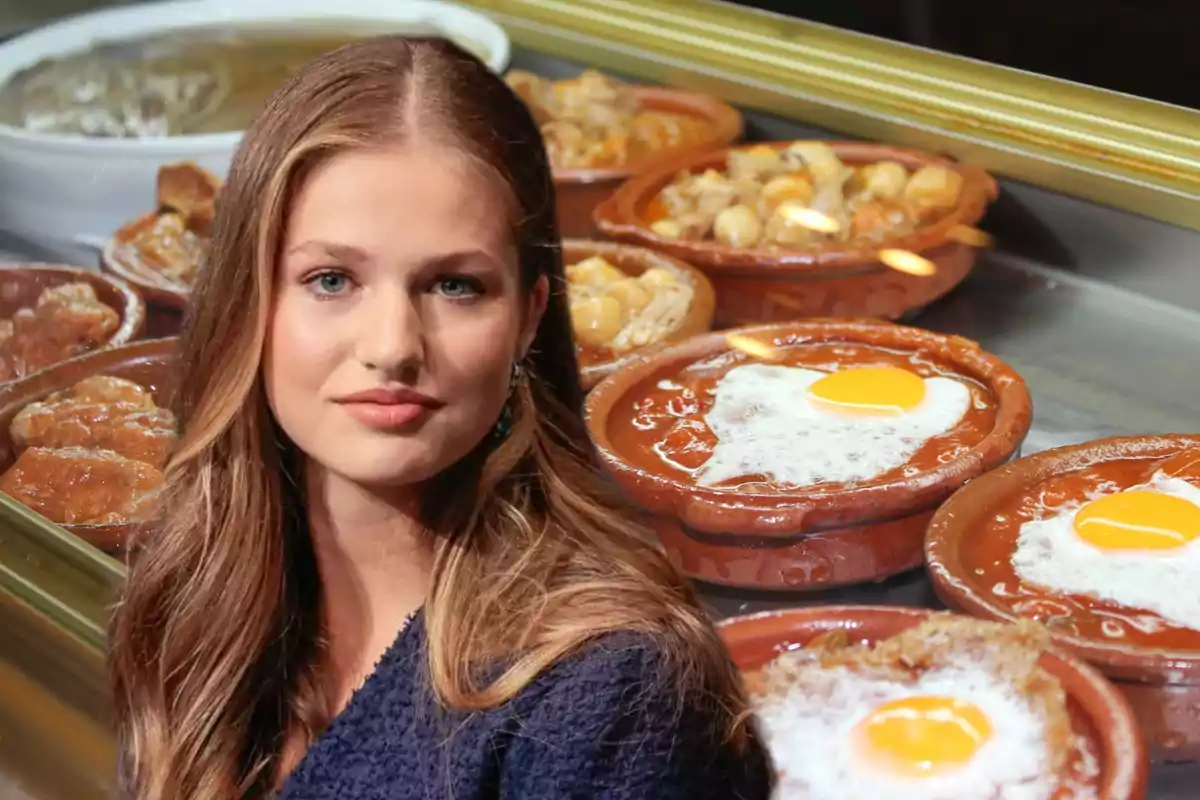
[
  {"x": 801, "y": 426},
  {"x": 954, "y": 733},
  {"x": 1138, "y": 548}
]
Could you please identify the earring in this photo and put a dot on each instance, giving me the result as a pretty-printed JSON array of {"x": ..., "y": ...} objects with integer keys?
[{"x": 504, "y": 424}]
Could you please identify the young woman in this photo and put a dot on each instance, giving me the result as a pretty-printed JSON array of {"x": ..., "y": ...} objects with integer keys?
[{"x": 387, "y": 566}]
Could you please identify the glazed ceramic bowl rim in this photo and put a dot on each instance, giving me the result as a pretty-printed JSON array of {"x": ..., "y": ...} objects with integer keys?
[
  {"x": 700, "y": 286},
  {"x": 133, "y": 314},
  {"x": 140, "y": 276},
  {"x": 617, "y": 217},
  {"x": 726, "y": 127},
  {"x": 945, "y": 565},
  {"x": 695, "y": 505},
  {"x": 1122, "y": 743},
  {"x": 87, "y": 531}
]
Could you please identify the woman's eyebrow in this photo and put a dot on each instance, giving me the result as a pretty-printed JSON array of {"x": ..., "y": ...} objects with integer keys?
[
  {"x": 461, "y": 258},
  {"x": 343, "y": 253}
]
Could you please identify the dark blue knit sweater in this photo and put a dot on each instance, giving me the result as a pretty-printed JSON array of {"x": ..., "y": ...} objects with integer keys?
[{"x": 600, "y": 724}]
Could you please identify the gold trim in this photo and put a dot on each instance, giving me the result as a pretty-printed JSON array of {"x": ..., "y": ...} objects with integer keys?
[
  {"x": 53, "y": 700},
  {"x": 51, "y": 745},
  {"x": 1138, "y": 155},
  {"x": 55, "y": 574}
]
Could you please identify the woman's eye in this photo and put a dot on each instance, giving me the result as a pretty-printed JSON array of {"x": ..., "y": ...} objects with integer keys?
[
  {"x": 329, "y": 283},
  {"x": 458, "y": 287}
]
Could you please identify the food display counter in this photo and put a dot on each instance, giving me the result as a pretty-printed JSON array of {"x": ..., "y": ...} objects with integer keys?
[{"x": 1089, "y": 293}]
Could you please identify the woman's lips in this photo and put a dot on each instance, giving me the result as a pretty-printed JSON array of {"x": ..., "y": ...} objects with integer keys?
[
  {"x": 388, "y": 408},
  {"x": 385, "y": 416}
]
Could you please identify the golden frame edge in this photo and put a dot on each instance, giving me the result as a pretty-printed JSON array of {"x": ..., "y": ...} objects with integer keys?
[
  {"x": 56, "y": 576},
  {"x": 55, "y": 592},
  {"x": 1134, "y": 154}
]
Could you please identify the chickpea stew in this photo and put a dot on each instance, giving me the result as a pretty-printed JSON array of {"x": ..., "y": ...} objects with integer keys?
[
  {"x": 801, "y": 196},
  {"x": 594, "y": 121},
  {"x": 614, "y": 313}
]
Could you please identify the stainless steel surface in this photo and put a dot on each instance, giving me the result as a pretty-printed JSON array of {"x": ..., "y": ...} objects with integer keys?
[
  {"x": 1100, "y": 313},
  {"x": 1099, "y": 310},
  {"x": 1100, "y": 361}
]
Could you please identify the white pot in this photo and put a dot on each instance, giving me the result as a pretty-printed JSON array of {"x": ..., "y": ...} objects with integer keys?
[{"x": 62, "y": 191}]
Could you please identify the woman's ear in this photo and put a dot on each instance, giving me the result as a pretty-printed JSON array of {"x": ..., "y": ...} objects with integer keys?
[{"x": 539, "y": 297}]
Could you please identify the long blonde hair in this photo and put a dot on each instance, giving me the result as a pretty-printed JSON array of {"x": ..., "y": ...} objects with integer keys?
[{"x": 215, "y": 645}]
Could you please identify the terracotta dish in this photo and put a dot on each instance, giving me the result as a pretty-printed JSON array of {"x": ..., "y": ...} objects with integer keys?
[
  {"x": 1096, "y": 709},
  {"x": 22, "y": 284},
  {"x": 160, "y": 251},
  {"x": 828, "y": 534},
  {"x": 839, "y": 279},
  {"x": 972, "y": 540},
  {"x": 157, "y": 291},
  {"x": 596, "y": 362},
  {"x": 149, "y": 363},
  {"x": 579, "y": 191}
]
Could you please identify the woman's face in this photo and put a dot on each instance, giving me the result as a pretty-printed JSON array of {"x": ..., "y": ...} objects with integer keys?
[{"x": 398, "y": 314}]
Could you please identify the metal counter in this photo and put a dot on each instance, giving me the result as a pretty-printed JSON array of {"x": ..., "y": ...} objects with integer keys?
[
  {"x": 1099, "y": 310},
  {"x": 1099, "y": 361}
]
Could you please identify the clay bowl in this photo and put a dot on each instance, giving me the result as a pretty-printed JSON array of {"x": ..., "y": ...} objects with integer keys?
[
  {"x": 756, "y": 285},
  {"x": 20, "y": 285},
  {"x": 166, "y": 300},
  {"x": 805, "y": 539},
  {"x": 579, "y": 191},
  {"x": 633, "y": 261},
  {"x": 1097, "y": 709},
  {"x": 1162, "y": 685},
  {"x": 150, "y": 363}
]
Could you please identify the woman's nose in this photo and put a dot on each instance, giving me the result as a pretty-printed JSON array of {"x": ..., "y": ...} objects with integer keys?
[{"x": 390, "y": 332}]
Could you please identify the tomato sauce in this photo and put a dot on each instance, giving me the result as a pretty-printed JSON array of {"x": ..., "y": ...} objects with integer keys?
[
  {"x": 659, "y": 426},
  {"x": 655, "y": 210},
  {"x": 987, "y": 554}
]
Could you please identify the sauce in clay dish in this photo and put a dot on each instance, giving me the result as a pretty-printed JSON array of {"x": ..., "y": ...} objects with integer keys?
[
  {"x": 808, "y": 454},
  {"x": 1100, "y": 542}
]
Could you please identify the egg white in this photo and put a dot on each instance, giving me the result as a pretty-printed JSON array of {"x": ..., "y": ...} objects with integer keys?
[
  {"x": 765, "y": 425},
  {"x": 1050, "y": 554},
  {"x": 810, "y": 737}
]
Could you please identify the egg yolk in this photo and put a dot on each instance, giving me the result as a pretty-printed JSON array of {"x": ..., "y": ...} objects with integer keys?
[
  {"x": 1138, "y": 520},
  {"x": 922, "y": 736},
  {"x": 868, "y": 391}
]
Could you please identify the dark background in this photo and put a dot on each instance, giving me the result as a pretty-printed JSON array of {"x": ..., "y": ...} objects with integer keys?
[{"x": 1148, "y": 48}]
